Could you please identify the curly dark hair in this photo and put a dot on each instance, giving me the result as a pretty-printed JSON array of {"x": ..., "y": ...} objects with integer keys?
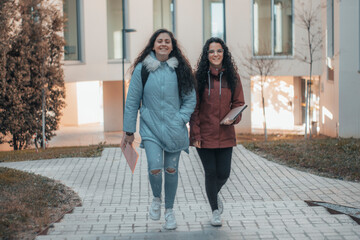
[
  {"x": 203, "y": 65},
  {"x": 185, "y": 76}
]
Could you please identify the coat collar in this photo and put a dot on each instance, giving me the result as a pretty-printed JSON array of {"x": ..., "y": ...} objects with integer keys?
[
  {"x": 151, "y": 63},
  {"x": 215, "y": 71}
]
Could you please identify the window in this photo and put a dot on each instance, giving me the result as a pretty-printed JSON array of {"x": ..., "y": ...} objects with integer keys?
[
  {"x": 114, "y": 28},
  {"x": 330, "y": 39},
  {"x": 272, "y": 27},
  {"x": 330, "y": 28},
  {"x": 72, "y": 30},
  {"x": 214, "y": 19},
  {"x": 164, "y": 14}
]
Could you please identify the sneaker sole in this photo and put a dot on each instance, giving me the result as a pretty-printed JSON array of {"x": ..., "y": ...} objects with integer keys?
[
  {"x": 171, "y": 227},
  {"x": 216, "y": 224},
  {"x": 154, "y": 218}
]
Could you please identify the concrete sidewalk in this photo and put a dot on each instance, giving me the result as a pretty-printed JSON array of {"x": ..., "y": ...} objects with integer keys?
[{"x": 262, "y": 200}]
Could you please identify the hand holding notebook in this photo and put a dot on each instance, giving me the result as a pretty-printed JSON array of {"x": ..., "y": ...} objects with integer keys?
[
  {"x": 233, "y": 114},
  {"x": 130, "y": 153}
]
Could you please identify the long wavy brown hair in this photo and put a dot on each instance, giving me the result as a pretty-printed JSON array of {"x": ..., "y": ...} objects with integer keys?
[
  {"x": 185, "y": 77},
  {"x": 203, "y": 65}
]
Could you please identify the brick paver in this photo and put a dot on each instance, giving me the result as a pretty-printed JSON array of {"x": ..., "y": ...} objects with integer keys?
[{"x": 262, "y": 199}]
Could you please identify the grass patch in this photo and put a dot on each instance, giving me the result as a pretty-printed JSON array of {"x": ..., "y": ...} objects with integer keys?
[
  {"x": 51, "y": 153},
  {"x": 29, "y": 202},
  {"x": 330, "y": 157}
]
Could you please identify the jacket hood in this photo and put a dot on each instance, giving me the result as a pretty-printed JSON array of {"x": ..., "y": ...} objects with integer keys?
[
  {"x": 215, "y": 72},
  {"x": 151, "y": 63}
]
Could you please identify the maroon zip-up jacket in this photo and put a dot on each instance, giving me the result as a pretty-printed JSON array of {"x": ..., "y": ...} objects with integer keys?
[{"x": 216, "y": 102}]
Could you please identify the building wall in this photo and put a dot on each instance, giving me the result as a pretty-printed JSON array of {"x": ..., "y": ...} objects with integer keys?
[
  {"x": 113, "y": 108},
  {"x": 89, "y": 99},
  {"x": 189, "y": 32},
  {"x": 189, "y": 28},
  {"x": 339, "y": 111},
  {"x": 238, "y": 37},
  {"x": 329, "y": 94},
  {"x": 297, "y": 108},
  {"x": 279, "y": 103},
  {"x": 349, "y": 77},
  {"x": 70, "y": 112},
  {"x": 95, "y": 64}
]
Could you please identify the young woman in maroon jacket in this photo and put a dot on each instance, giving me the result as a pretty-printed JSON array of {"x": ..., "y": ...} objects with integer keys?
[{"x": 219, "y": 90}]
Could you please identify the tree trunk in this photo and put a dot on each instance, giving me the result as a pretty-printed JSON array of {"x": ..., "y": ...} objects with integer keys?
[
  {"x": 15, "y": 146},
  {"x": 263, "y": 106},
  {"x": 43, "y": 119},
  {"x": 311, "y": 62},
  {"x": 310, "y": 128},
  {"x": 306, "y": 107}
]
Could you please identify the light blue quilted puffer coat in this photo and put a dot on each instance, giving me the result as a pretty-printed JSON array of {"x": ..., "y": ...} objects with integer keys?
[{"x": 163, "y": 114}]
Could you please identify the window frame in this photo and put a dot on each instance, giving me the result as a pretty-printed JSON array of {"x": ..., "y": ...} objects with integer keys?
[
  {"x": 291, "y": 56},
  {"x": 330, "y": 28},
  {"x": 205, "y": 38},
  {"x": 124, "y": 19},
  {"x": 80, "y": 34},
  {"x": 173, "y": 17},
  {"x": 329, "y": 40}
]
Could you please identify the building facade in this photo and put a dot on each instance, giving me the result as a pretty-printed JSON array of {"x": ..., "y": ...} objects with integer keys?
[
  {"x": 257, "y": 28},
  {"x": 340, "y": 78},
  {"x": 262, "y": 29}
]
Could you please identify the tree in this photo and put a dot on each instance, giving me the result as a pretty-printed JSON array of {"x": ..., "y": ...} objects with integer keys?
[
  {"x": 308, "y": 20},
  {"x": 7, "y": 11},
  {"x": 261, "y": 66},
  {"x": 33, "y": 75}
]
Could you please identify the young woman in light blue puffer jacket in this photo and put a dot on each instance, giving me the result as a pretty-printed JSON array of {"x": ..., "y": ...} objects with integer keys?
[{"x": 167, "y": 100}]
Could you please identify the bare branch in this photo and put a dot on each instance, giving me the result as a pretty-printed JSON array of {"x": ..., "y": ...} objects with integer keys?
[
  {"x": 261, "y": 66},
  {"x": 308, "y": 20}
]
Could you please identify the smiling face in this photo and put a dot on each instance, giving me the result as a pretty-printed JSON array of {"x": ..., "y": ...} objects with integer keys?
[
  {"x": 163, "y": 46},
  {"x": 215, "y": 54}
]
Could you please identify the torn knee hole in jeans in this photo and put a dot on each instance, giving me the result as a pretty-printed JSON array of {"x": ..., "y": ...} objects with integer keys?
[
  {"x": 171, "y": 170},
  {"x": 155, "y": 172}
]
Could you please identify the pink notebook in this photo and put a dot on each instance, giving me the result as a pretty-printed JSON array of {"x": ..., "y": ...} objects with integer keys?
[{"x": 130, "y": 154}]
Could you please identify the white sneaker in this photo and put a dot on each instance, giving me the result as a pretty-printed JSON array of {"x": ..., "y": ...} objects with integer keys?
[
  {"x": 155, "y": 209},
  {"x": 220, "y": 204},
  {"x": 216, "y": 218},
  {"x": 170, "y": 221}
]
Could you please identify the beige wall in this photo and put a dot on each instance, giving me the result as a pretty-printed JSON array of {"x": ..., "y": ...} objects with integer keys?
[
  {"x": 329, "y": 94},
  {"x": 89, "y": 99},
  {"x": 349, "y": 66},
  {"x": 113, "y": 108},
  {"x": 279, "y": 103},
  {"x": 238, "y": 37},
  {"x": 141, "y": 19},
  {"x": 297, "y": 101},
  {"x": 189, "y": 28},
  {"x": 340, "y": 111},
  {"x": 70, "y": 112},
  {"x": 95, "y": 64}
]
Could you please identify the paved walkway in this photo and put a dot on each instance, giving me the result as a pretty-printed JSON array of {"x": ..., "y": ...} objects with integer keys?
[{"x": 262, "y": 200}]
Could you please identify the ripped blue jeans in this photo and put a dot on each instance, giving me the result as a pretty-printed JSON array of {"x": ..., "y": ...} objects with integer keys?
[{"x": 159, "y": 160}]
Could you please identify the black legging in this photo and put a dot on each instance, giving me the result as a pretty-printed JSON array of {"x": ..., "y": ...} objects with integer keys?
[{"x": 217, "y": 164}]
